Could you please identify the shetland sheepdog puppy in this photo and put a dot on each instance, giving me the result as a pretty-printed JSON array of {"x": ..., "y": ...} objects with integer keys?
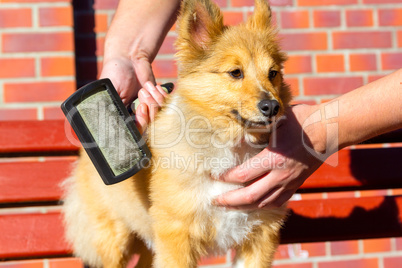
[{"x": 230, "y": 90}]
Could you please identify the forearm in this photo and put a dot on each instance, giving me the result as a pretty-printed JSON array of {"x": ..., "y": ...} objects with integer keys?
[
  {"x": 139, "y": 27},
  {"x": 366, "y": 112}
]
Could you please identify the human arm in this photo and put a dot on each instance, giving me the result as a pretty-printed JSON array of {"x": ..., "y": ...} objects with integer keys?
[
  {"x": 132, "y": 42},
  {"x": 287, "y": 162}
]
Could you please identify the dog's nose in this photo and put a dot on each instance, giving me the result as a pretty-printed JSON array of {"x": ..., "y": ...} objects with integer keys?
[{"x": 269, "y": 108}]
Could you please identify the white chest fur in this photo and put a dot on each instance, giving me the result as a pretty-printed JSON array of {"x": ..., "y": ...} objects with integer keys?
[{"x": 232, "y": 226}]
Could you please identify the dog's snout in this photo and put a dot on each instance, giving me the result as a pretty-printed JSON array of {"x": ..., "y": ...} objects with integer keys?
[{"x": 269, "y": 108}]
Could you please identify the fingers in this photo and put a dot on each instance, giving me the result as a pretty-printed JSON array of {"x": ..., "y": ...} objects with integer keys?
[
  {"x": 264, "y": 193},
  {"x": 255, "y": 167},
  {"x": 151, "y": 99},
  {"x": 142, "y": 117},
  {"x": 246, "y": 197}
]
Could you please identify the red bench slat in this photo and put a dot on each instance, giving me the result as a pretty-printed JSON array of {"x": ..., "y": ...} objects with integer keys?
[
  {"x": 364, "y": 168},
  {"x": 24, "y": 180},
  {"x": 41, "y": 234},
  {"x": 36, "y": 136},
  {"x": 32, "y": 179},
  {"x": 32, "y": 234},
  {"x": 343, "y": 219}
]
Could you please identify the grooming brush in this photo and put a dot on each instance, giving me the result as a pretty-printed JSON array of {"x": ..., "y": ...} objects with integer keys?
[{"x": 107, "y": 131}]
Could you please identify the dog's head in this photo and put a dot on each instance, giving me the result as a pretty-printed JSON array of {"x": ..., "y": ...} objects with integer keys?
[{"x": 232, "y": 71}]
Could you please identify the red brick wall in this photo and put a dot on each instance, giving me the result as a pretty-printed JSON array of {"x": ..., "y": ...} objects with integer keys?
[
  {"x": 333, "y": 45},
  {"x": 36, "y": 58}
]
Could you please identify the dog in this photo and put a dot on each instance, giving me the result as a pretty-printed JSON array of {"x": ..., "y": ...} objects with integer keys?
[{"x": 230, "y": 91}]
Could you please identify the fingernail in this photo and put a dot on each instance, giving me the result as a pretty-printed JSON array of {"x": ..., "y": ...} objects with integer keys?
[
  {"x": 145, "y": 93},
  {"x": 150, "y": 86}
]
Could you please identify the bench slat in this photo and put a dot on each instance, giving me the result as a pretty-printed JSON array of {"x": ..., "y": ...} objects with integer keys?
[
  {"x": 35, "y": 136},
  {"x": 343, "y": 219},
  {"x": 41, "y": 234},
  {"x": 33, "y": 179},
  {"x": 364, "y": 168},
  {"x": 32, "y": 234}
]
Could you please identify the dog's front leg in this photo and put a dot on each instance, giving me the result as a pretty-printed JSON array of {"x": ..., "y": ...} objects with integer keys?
[
  {"x": 259, "y": 250},
  {"x": 173, "y": 245}
]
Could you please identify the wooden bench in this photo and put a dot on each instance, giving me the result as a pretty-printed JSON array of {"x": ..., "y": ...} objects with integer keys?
[{"x": 35, "y": 156}]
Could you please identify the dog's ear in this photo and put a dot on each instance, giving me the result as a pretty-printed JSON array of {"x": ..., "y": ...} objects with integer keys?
[
  {"x": 261, "y": 19},
  {"x": 199, "y": 23}
]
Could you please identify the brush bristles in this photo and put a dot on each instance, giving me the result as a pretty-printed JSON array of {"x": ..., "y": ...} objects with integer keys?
[{"x": 110, "y": 132}]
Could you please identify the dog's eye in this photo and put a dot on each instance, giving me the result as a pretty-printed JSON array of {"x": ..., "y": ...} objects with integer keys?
[
  {"x": 272, "y": 74},
  {"x": 237, "y": 74}
]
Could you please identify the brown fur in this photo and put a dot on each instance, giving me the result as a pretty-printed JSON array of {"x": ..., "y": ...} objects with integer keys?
[{"x": 167, "y": 206}]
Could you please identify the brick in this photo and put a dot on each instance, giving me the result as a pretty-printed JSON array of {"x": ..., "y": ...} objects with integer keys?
[
  {"x": 391, "y": 61},
  {"x": 295, "y": 19},
  {"x": 57, "y": 66},
  {"x": 373, "y": 78},
  {"x": 392, "y": 262},
  {"x": 330, "y": 63},
  {"x": 282, "y": 252},
  {"x": 295, "y": 265},
  {"x": 38, "y": 42},
  {"x": 241, "y": 3},
  {"x": 363, "y": 62},
  {"x": 331, "y": 85},
  {"x": 325, "y": 2},
  {"x": 16, "y": 67},
  {"x": 232, "y": 17},
  {"x": 359, "y": 18},
  {"x": 304, "y": 41},
  {"x": 390, "y": 17},
  {"x": 53, "y": 113},
  {"x": 221, "y": 3},
  {"x": 55, "y": 16},
  {"x": 370, "y": 39},
  {"x": 327, "y": 18},
  {"x": 15, "y": 17},
  {"x": 18, "y": 114},
  {"x": 345, "y": 247},
  {"x": 106, "y": 4},
  {"x": 376, "y": 245},
  {"x": 65, "y": 263},
  {"x": 168, "y": 45},
  {"x": 314, "y": 249},
  {"x": 398, "y": 242},
  {"x": 381, "y": 1},
  {"x": 38, "y": 91},
  {"x": 294, "y": 85},
  {"x": 22, "y": 264},
  {"x": 360, "y": 263},
  {"x": 164, "y": 68},
  {"x": 399, "y": 38},
  {"x": 298, "y": 64},
  {"x": 101, "y": 23}
]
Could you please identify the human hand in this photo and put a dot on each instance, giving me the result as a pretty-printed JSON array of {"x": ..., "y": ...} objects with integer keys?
[
  {"x": 275, "y": 174},
  {"x": 128, "y": 77}
]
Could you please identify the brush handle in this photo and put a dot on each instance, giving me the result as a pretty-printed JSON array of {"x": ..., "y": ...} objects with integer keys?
[{"x": 168, "y": 87}]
